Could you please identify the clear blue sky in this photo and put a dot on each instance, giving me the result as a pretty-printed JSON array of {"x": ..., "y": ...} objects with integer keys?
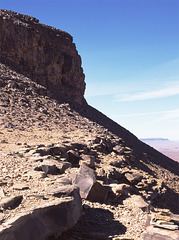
[{"x": 130, "y": 54}]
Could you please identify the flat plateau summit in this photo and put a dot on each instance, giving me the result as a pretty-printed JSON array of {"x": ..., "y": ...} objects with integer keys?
[{"x": 67, "y": 171}]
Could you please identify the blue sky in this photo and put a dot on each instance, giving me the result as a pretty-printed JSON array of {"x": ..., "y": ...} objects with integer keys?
[{"x": 130, "y": 56}]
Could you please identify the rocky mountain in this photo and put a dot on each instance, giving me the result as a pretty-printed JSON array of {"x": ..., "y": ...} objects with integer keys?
[
  {"x": 46, "y": 55},
  {"x": 63, "y": 164}
]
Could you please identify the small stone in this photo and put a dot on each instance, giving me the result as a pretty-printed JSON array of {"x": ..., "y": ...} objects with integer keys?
[
  {"x": 113, "y": 173},
  {"x": 120, "y": 189},
  {"x": 20, "y": 186},
  {"x": 165, "y": 225},
  {"x": 2, "y": 193},
  {"x": 134, "y": 177},
  {"x": 118, "y": 149},
  {"x": 88, "y": 160},
  {"x": 11, "y": 202},
  {"x": 62, "y": 191},
  {"x": 117, "y": 163}
]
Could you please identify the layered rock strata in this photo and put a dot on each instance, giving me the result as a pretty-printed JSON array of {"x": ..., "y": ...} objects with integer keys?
[{"x": 45, "y": 54}]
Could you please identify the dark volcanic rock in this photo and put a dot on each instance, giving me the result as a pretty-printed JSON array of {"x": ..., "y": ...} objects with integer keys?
[{"x": 45, "y": 54}]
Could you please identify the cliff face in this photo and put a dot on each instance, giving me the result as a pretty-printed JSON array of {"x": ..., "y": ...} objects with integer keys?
[
  {"x": 45, "y": 54},
  {"x": 48, "y": 147}
]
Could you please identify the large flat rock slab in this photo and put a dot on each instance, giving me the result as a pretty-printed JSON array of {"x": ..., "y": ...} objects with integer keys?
[{"x": 44, "y": 221}]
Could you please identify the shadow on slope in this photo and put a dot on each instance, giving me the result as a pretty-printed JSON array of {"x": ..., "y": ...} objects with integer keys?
[
  {"x": 168, "y": 200},
  {"x": 141, "y": 150},
  {"x": 96, "y": 223}
]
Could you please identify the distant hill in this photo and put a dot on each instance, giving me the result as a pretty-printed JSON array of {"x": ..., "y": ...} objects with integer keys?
[
  {"x": 154, "y": 139},
  {"x": 165, "y": 146}
]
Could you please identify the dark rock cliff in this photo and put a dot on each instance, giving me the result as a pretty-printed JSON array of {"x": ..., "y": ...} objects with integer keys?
[{"x": 45, "y": 54}]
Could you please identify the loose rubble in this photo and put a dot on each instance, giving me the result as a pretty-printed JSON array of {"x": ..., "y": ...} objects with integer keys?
[
  {"x": 38, "y": 174},
  {"x": 61, "y": 160}
]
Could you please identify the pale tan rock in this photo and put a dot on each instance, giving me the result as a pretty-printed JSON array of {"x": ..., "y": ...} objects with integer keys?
[
  {"x": 2, "y": 193},
  {"x": 138, "y": 201},
  {"x": 165, "y": 225},
  {"x": 89, "y": 160},
  {"x": 134, "y": 177},
  {"x": 20, "y": 186},
  {"x": 120, "y": 189}
]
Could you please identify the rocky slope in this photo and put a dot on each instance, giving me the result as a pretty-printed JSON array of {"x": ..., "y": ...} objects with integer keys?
[
  {"x": 51, "y": 141},
  {"x": 45, "y": 54}
]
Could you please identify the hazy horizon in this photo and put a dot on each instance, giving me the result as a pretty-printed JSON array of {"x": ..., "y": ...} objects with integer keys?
[{"x": 165, "y": 146}]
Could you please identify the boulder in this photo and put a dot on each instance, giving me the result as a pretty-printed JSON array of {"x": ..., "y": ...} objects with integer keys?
[
  {"x": 90, "y": 189},
  {"x": 134, "y": 177},
  {"x": 84, "y": 179},
  {"x": 44, "y": 221},
  {"x": 98, "y": 193}
]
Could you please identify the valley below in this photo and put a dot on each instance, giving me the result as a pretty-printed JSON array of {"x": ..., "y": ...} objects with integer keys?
[{"x": 165, "y": 146}]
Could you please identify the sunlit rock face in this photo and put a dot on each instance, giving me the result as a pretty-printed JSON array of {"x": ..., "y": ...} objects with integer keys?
[{"x": 45, "y": 54}]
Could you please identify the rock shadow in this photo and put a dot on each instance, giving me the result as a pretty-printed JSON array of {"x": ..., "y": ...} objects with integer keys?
[
  {"x": 96, "y": 223},
  {"x": 141, "y": 149},
  {"x": 168, "y": 200},
  {"x": 140, "y": 165}
]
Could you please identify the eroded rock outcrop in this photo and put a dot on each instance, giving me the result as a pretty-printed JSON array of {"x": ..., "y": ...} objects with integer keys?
[{"x": 45, "y": 54}]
